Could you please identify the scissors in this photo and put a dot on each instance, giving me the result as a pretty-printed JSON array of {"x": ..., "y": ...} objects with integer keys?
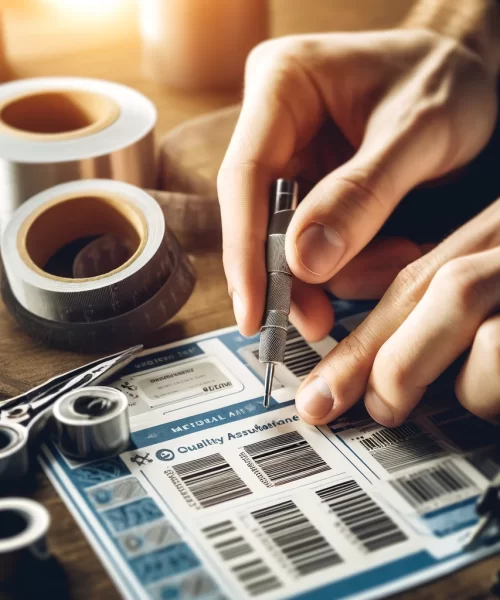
[{"x": 24, "y": 416}]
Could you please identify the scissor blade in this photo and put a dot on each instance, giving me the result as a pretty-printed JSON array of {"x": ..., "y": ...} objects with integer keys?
[
  {"x": 103, "y": 367},
  {"x": 113, "y": 365}
]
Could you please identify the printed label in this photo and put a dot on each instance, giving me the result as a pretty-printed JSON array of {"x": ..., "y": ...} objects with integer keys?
[{"x": 218, "y": 497}]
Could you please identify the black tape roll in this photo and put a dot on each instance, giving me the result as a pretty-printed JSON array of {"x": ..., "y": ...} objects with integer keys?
[{"x": 117, "y": 332}]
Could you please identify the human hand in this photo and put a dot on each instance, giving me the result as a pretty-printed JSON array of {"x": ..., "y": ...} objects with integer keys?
[
  {"x": 360, "y": 119},
  {"x": 438, "y": 307}
]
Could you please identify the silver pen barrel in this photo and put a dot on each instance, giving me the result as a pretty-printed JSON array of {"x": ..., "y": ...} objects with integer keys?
[{"x": 279, "y": 282}]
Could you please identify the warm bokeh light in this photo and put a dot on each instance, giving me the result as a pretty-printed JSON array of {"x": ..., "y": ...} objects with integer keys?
[{"x": 83, "y": 8}]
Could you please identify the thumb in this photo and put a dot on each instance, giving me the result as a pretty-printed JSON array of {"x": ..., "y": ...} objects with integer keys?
[{"x": 345, "y": 210}]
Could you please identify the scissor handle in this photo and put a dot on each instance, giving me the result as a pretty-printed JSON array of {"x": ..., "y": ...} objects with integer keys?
[{"x": 23, "y": 416}]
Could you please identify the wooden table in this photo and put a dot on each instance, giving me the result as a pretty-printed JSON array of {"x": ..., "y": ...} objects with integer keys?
[{"x": 24, "y": 363}]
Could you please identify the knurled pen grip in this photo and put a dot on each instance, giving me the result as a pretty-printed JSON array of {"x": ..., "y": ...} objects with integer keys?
[{"x": 279, "y": 277}]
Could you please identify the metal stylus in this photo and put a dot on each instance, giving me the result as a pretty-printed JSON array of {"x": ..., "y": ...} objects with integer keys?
[{"x": 279, "y": 282}]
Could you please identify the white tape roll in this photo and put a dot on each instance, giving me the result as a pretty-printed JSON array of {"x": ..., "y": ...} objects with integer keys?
[
  {"x": 92, "y": 423},
  {"x": 59, "y": 129},
  {"x": 23, "y": 528},
  {"x": 115, "y": 308}
]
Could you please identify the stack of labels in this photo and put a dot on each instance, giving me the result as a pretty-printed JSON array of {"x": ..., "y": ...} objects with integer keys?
[
  {"x": 60, "y": 129},
  {"x": 101, "y": 310}
]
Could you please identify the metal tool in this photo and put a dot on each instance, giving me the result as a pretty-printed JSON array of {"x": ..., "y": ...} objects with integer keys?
[
  {"x": 23, "y": 417},
  {"x": 488, "y": 509},
  {"x": 92, "y": 423},
  {"x": 279, "y": 282}
]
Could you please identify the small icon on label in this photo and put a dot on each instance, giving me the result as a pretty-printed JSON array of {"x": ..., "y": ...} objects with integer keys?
[
  {"x": 103, "y": 496},
  {"x": 140, "y": 459},
  {"x": 165, "y": 454}
]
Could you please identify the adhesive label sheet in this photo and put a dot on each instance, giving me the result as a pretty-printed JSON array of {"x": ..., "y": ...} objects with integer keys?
[{"x": 219, "y": 498}]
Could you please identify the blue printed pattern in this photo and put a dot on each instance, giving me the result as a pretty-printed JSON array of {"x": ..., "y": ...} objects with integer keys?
[
  {"x": 164, "y": 563},
  {"x": 192, "y": 585},
  {"x": 116, "y": 492},
  {"x": 148, "y": 538},
  {"x": 98, "y": 472},
  {"x": 132, "y": 514},
  {"x": 148, "y": 542}
]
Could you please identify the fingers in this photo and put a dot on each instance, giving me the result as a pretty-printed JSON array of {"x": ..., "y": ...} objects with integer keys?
[
  {"x": 400, "y": 149},
  {"x": 340, "y": 379},
  {"x": 368, "y": 275},
  {"x": 346, "y": 369},
  {"x": 311, "y": 311},
  {"x": 478, "y": 384},
  {"x": 281, "y": 111},
  {"x": 440, "y": 328}
]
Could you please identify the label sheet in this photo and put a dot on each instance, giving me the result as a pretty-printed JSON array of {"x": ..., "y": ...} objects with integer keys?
[{"x": 219, "y": 498}]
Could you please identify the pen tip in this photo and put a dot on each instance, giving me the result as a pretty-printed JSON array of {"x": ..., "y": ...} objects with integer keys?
[{"x": 268, "y": 384}]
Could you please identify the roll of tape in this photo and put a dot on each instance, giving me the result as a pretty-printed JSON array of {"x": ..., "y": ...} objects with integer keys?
[
  {"x": 100, "y": 311},
  {"x": 92, "y": 423},
  {"x": 23, "y": 529},
  {"x": 59, "y": 129}
]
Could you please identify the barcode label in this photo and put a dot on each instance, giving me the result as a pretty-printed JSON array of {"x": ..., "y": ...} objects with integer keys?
[
  {"x": 363, "y": 517},
  {"x": 298, "y": 540},
  {"x": 401, "y": 447},
  {"x": 211, "y": 480},
  {"x": 247, "y": 566},
  {"x": 432, "y": 483},
  {"x": 299, "y": 357},
  {"x": 286, "y": 458}
]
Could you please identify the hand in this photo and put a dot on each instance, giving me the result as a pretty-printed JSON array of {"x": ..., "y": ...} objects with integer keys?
[
  {"x": 438, "y": 307},
  {"x": 359, "y": 119}
]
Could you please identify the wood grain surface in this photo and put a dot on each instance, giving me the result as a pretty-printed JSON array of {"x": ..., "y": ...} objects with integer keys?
[{"x": 24, "y": 363}]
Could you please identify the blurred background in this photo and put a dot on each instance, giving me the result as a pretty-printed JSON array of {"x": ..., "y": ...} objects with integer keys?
[{"x": 186, "y": 55}]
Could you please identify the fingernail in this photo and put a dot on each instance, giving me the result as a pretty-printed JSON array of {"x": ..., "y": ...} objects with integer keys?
[
  {"x": 238, "y": 308},
  {"x": 315, "y": 399},
  {"x": 319, "y": 248},
  {"x": 378, "y": 409}
]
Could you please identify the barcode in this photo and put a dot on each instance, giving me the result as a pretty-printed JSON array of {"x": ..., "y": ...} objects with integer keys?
[
  {"x": 250, "y": 570},
  {"x": 388, "y": 437},
  {"x": 299, "y": 357},
  {"x": 211, "y": 480},
  {"x": 363, "y": 517},
  {"x": 302, "y": 545},
  {"x": 286, "y": 458},
  {"x": 401, "y": 447},
  {"x": 432, "y": 483}
]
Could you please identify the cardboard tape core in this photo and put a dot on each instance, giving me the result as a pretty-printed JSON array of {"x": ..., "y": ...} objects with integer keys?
[
  {"x": 58, "y": 114},
  {"x": 68, "y": 219}
]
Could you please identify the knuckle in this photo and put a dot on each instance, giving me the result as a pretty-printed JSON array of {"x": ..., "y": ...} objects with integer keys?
[
  {"x": 259, "y": 54},
  {"x": 410, "y": 280},
  {"x": 354, "y": 348},
  {"x": 360, "y": 194},
  {"x": 274, "y": 55},
  {"x": 459, "y": 281}
]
